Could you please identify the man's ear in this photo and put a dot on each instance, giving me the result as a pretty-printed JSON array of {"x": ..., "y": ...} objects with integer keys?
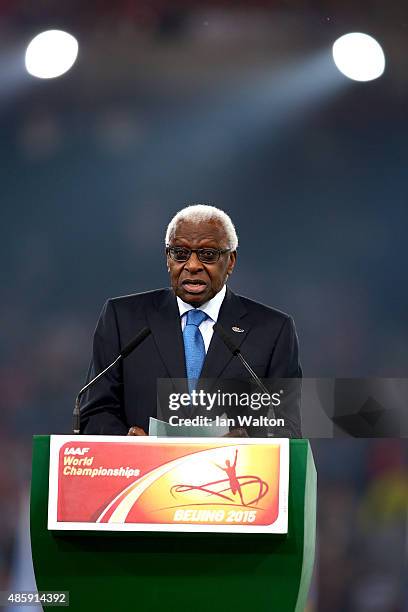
[{"x": 232, "y": 262}]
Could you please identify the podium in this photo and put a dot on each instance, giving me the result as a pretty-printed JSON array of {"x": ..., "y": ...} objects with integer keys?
[{"x": 157, "y": 571}]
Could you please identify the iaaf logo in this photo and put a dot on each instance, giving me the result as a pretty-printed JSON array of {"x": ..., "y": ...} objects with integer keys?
[{"x": 76, "y": 451}]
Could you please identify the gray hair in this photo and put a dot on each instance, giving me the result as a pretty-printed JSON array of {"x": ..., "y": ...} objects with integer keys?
[{"x": 204, "y": 212}]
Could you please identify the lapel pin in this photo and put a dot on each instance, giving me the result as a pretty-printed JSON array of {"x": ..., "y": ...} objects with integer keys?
[{"x": 237, "y": 329}]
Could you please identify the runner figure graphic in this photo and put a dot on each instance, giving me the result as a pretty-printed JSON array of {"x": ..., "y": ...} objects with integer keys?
[{"x": 232, "y": 475}]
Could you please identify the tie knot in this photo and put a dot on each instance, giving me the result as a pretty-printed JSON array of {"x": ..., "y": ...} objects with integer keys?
[{"x": 195, "y": 317}]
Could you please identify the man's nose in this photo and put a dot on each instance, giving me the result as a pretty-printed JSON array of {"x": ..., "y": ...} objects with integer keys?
[{"x": 193, "y": 264}]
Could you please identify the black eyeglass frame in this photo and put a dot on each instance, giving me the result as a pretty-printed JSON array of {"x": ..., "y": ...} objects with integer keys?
[{"x": 198, "y": 251}]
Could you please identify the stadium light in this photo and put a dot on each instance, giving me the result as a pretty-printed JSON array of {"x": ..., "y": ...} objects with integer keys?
[
  {"x": 359, "y": 56},
  {"x": 51, "y": 54}
]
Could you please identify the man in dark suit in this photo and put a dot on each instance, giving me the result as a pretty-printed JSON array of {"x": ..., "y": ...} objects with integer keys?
[{"x": 201, "y": 251}]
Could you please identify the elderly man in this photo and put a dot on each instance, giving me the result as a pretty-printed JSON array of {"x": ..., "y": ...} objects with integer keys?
[{"x": 201, "y": 252}]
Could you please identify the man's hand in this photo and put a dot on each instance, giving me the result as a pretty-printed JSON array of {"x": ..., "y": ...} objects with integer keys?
[
  {"x": 136, "y": 431},
  {"x": 238, "y": 432}
]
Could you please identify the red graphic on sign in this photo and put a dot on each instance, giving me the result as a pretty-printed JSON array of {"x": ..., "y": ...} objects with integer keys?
[{"x": 166, "y": 483}]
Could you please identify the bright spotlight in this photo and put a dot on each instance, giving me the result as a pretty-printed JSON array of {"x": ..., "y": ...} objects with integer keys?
[
  {"x": 50, "y": 54},
  {"x": 359, "y": 57}
]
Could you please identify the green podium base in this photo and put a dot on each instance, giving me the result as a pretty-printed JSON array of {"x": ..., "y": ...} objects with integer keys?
[{"x": 173, "y": 571}]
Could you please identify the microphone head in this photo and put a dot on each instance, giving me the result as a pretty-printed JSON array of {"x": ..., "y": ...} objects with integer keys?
[
  {"x": 230, "y": 344},
  {"x": 144, "y": 332}
]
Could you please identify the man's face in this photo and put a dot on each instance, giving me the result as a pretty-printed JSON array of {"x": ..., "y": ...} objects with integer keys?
[{"x": 193, "y": 281}]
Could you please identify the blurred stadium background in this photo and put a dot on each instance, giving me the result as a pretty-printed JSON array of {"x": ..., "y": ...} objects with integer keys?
[{"x": 237, "y": 104}]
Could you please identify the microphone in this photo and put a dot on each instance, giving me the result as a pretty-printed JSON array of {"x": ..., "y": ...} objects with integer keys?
[
  {"x": 129, "y": 348},
  {"x": 230, "y": 344}
]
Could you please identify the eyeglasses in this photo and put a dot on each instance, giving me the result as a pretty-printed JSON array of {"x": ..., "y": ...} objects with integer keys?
[{"x": 204, "y": 255}]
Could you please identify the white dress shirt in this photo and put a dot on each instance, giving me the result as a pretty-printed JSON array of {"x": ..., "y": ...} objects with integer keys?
[{"x": 211, "y": 309}]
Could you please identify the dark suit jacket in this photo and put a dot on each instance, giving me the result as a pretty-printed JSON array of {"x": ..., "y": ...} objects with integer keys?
[{"x": 127, "y": 395}]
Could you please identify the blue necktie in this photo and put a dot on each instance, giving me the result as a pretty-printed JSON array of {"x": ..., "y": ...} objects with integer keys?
[{"x": 194, "y": 348}]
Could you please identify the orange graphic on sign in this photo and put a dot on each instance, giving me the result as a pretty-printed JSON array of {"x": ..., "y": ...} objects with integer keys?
[{"x": 236, "y": 484}]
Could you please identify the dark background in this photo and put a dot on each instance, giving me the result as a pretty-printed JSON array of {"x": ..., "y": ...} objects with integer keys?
[{"x": 240, "y": 105}]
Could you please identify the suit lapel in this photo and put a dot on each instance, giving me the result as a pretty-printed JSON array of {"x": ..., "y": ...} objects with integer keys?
[
  {"x": 164, "y": 322},
  {"x": 218, "y": 355}
]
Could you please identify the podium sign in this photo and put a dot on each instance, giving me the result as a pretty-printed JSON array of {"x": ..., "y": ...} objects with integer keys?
[{"x": 118, "y": 483}]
